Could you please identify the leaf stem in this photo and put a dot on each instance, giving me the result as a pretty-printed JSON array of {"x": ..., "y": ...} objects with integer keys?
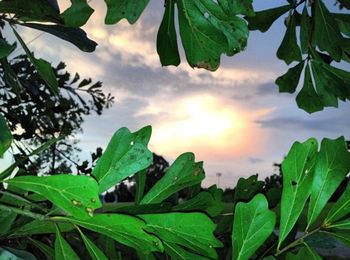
[{"x": 297, "y": 242}]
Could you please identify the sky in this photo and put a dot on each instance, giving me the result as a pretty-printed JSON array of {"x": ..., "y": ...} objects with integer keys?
[{"x": 233, "y": 119}]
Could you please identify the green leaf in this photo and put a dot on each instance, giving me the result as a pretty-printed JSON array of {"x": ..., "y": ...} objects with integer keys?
[
  {"x": 207, "y": 32},
  {"x": 177, "y": 252},
  {"x": 190, "y": 230},
  {"x": 34, "y": 10},
  {"x": 6, "y": 220},
  {"x": 288, "y": 82},
  {"x": 5, "y": 136},
  {"x": 243, "y": 7},
  {"x": 304, "y": 253},
  {"x": 63, "y": 250},
  {"x": 126, "y": 154},
  {"x": 289, "y": 50},
  {"x": 108, "y": 247},
  {"x": 184, "y": 172},
  {"x": 15, "y": 254},
  {"x": 125, "y": 229},
  {"x": 253, "y": 224},
  {"x": 339, "y": 209},
  {"x": 327, "y": 34},
  {"x": 247, "y": 188},
  {"x": 332, "y": 166},
  {"x": 5, "y": 48},
  {"x": 77, "y": 195},
  {"x": 308, "y": 99},
  {"x": 341, "y": 235},
  {"x": 45, "y": 249},
  {"x": 77, "y": 14},
  {"x": 94, "y": 251},
  {"x": 305, "y": 31},
  {"x": 263, "y": 20},
  {"x": 129, "y": 9},
  {"x": 209, "y": 201},
  {"x": 75, "y": 36},
  {"x": 166, "y": 38},
  {"x": 140, "y": 180},
  {"x": 37, "y": 227},
  {"x": 297, "y": 168},
  {"x": 343, "y": 21},
  {"x": 43, "y": 68},
  {"x": 344, "y": 224}
]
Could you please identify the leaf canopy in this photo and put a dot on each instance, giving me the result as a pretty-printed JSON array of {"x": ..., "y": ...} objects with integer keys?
[{"x": 5, "y": 136}]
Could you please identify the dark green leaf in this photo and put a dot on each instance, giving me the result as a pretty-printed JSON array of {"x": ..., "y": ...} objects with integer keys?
[
  {"x": 77, "y": 14},
  {"x": 304, "y": 253},
  {"x": 129, "y": 9},
  {"x": 184, "y": 172},
  {"x": 288, "y": 82},
  {"x": 125, "y": 155},
  {"x": 344, "y": 224},
  {"x": 263, "y": 20},
  {"x": 6, "y": 220},
  {"x": 6, "y": 48},
  {"x": 166, "y": 39},
  {"x": 33, "y": 10},
  {"x": 289, "y": 50},
  {"x": 44, "y": 248},
  {"x": 191, "y": 230},
  {"x": 36, "y": 227},
  {"x": 42, "y": 66},
  {"x": 63, "y": 250},
  {"x": 327, "y": 34},
  {"x": 341, "y": 208},
  {"x": 298, "y": 169},
  {"x": 341, "y": 235},
  {"x": 108, "y": 247},
  {"x": 305, "y": 31},
  {"x": 253, "y": 224},
  {"x": 75, "y": 36},
  {"x": 247, "y": 188},
  {"x": 15, "y": 254},
  {"x": 307, "y": 98},
  {"x": 94, "y": 251},
  {"x": 207, "y": 32},
  {"x": 125, "y": 229},
  {"x": 5, "y": 136},
  {"x": 243, "y": 7},
  {"x": 343, "y": 21},
  {"x": 77, "y": 195},
  {"x": 333, "y": 164},
  {"x": 177, "y": 252}
]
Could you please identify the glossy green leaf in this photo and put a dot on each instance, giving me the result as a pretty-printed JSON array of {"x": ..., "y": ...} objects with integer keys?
[
  {"x": 253, "y": 224},
  {"x": 75, "y": 36},
  {"x": 33, "y": 10},
  {"x": 44, "y": 248},
  {"x": 263, "y": 20},
  {"x": 326, "y": 31},
  {"x": 77, "y": 195},
  {"x": 63, "y": 250},
  {"x": 5, "y": 136},
  {"x": 304, "y": 253},
  {"x": 77, "y": 14},
  {"x": 207, "y": 32},
  {"x": 177, "y": 252},
  {"x": 128, "y": 9},
  {"x": 308, "y": 99},
  {"x": 339, "y": 209},
  {"x": 343, "y": 21},
  {"x": 166, "y": 39},
  {"x": 126, "y": 154},
  {"x": 209, "y": 201},
  {"x": 6, "y": 49},
  {"x": 298, "y": 169},
  {"x": 37, "y": 227},
  {"x": 247, "y": 188},
  {"x": 190, "y": 230},
  {"x": 43, "y": 68},
  {"x": 184, "y": 172},
  {"x": 305, "y": 31},
  {"x": 288, "y": 82},
  {"x": 125, "y": 229},
  {"x": 333, "y": 164},
  {"x": 94, "y": 251},
  {"x": 289, "y": 50}
]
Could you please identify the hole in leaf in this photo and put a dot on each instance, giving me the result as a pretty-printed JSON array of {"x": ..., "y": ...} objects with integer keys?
[{"x": 294, "y": 183}]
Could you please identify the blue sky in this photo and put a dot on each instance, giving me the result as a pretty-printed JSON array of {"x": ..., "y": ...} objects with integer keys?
[{"x": 233, "y": 119}]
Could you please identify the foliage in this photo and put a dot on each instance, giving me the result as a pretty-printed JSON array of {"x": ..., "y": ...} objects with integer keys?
[{"x": 58, "y": 214}]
